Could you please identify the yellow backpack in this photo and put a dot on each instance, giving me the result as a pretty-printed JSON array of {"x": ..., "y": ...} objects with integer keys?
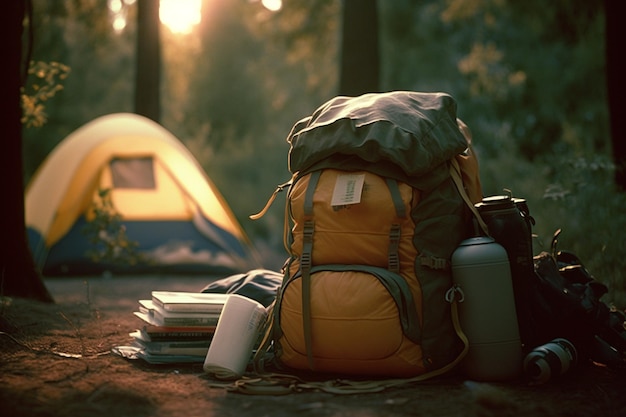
[{"x": 380, "y": 197}]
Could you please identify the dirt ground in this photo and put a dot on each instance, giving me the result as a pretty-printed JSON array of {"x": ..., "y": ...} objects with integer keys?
[{"x": 56, "y": 360}]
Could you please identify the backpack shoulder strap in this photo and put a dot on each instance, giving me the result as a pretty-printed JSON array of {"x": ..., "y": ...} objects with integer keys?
[{"x": 455, "y": 173}]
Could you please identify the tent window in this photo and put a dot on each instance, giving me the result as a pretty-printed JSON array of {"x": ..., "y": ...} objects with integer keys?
[{"x": 132, "y": 173}]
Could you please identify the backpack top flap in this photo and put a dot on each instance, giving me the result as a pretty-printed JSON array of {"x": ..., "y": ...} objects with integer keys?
[{"x": 414, "y": 132}]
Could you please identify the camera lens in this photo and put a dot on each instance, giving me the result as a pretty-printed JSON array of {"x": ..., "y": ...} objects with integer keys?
[{"x": 549, "y": 360}]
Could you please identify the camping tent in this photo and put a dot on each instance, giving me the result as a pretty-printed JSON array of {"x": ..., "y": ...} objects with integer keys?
[{"x": 166, "y": 214}]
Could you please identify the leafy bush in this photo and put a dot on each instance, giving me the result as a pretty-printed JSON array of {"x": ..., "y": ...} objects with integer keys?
[
  {"x": 107, "y": 234},
  {"x": 583, "y": 200}
]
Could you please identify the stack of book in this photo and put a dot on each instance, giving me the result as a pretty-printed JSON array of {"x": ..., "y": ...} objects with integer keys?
[{"x": 178, "y": 326}]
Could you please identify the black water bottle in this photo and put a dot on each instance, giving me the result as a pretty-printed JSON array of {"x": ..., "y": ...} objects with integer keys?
[{"x": 510, "y": 225}]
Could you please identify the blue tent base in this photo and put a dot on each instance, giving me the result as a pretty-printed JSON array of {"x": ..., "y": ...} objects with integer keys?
[{"x": 156, "y": 241}]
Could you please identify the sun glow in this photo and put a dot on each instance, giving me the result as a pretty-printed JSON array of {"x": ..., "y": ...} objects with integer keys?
[
  {"x": 180, "y": 16},
  {"x": 272, "y": 5}
]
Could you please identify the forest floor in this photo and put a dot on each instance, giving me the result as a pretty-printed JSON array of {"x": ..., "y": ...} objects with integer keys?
[{"x": 56, "y": 360}]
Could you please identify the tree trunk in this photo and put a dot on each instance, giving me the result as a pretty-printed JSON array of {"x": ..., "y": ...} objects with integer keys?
[
  {"x": 148, "y": 70},
  {"x": 360, "y": 61},
  {"x": 615, "y": 86},
  {"x": 19, "y": 277}
]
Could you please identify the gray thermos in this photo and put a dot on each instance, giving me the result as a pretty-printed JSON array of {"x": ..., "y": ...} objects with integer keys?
[{"x": 487, "y": 315}]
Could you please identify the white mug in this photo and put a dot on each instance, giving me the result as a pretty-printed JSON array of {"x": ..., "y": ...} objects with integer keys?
[{"x": 237, "y": 330}]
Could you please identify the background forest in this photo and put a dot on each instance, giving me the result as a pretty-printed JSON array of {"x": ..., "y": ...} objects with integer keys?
[{"x": 529, "y": 78}]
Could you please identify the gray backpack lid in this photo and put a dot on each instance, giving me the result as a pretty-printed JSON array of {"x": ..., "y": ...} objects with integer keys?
[{"x": 414, "y": 132}]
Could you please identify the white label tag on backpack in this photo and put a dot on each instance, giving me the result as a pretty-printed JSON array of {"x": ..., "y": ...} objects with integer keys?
[{"x": 348, "y": 188}]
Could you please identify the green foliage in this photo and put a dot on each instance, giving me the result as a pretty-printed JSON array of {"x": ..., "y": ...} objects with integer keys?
[
  {"x": 107, "y": 235},
  {"x": 78, "y": 34},
  {"x": 48, "y": 78},
  {"x": 583, "y": 202}
]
